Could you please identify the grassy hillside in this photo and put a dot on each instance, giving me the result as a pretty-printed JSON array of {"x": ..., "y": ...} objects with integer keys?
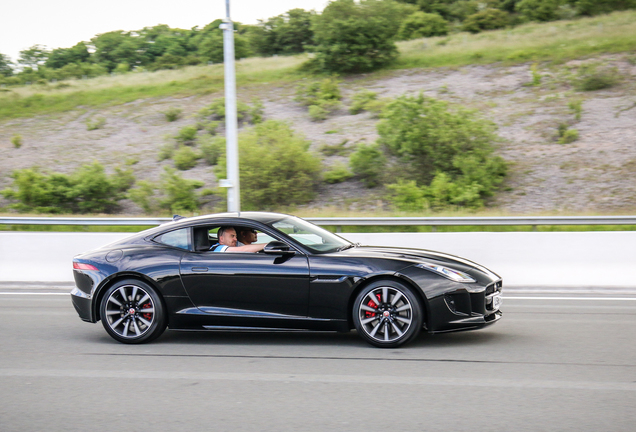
[{"x": 548, "y": 42}]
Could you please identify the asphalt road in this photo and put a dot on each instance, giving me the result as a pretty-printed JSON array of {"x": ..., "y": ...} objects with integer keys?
[{"x": 549, "y": 365}]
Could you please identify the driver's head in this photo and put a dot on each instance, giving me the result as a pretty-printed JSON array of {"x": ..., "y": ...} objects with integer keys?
[
  {"x": 227, "y": 236},
  {"x": 247, "y": 235}
]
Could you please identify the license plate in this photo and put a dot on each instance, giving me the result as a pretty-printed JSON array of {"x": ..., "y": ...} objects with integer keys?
[{"x": 496, "y": 302}]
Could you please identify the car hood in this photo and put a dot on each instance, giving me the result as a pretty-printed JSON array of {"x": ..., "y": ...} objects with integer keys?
[{"x": 416, "y": 256}]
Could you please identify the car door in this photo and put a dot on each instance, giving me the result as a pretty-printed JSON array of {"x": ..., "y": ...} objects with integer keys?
[{"x": 242, "y": 286}]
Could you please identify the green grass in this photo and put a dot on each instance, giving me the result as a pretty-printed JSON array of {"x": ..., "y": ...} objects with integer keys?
[
  {"x": 553, "y": 42},
  {"x": 557, "y": 42}
]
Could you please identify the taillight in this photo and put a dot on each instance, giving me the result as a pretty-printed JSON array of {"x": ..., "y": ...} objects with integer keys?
[{"x": 82, "y": 266}]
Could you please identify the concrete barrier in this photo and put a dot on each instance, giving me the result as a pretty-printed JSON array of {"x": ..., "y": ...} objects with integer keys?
[{"x": 523, "y": 259}]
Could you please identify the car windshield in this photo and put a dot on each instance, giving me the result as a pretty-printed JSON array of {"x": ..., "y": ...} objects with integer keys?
[{"x": 314, "y": 238}]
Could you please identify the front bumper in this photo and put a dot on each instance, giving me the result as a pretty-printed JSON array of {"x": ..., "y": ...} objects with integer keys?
[{"x": 463, "y": 310}]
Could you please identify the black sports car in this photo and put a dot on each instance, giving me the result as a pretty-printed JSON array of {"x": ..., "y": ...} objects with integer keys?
[{"x": 304, "y": 278}]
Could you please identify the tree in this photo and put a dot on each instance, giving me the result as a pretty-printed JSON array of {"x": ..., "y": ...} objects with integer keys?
[
  {"x": 118, "y": 47},
  {"x": 33, "y": 57},
  {"x": 289, "y": 33},
  {"x": 422, "y": 24},
  {"x": 60, "y": 57},
  {"x": 209, "y": 42},
  {"x": 6, "y": 68},
  {"x": 539, "y": 10},
  {"x": 357, "y": 37},
  {"x": 487, "y": 19}
]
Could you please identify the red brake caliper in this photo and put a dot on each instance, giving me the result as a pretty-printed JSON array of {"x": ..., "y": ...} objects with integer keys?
[
  {"x": 147, "y": 316},
  {"x": 372, "y": 304}
]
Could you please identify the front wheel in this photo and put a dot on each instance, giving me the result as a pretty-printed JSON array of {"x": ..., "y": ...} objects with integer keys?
[
  {"x": 387, "y": 314},
  {"x": 132, "y": 312}
]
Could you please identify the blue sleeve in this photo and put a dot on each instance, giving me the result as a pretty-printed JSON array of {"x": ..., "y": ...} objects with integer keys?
[{"x": 219, "y": 248}]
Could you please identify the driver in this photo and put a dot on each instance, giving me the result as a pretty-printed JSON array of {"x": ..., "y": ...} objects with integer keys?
[{"x": 227, "y": 242}]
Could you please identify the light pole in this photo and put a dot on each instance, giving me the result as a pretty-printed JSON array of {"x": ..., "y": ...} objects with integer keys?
[{"x": 231, "y": 135}]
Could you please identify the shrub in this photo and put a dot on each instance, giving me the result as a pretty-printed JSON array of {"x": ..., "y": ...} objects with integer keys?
[
  {"x": 212, "y": 148},
  {"x": 593, "y": 76},
  {"x": 216, "y": 110},
  {"x": 143, "y": 196},
  {"x": 407, "y": 196},
  {"x": 255, "y": 112},
  {"x": 185, "y": 158},
  {"x": 322, "y": 97},
  {"x": 487, "y": 19},
  {"x": 317, "y": 113},
  {"x": 186, "y": 135},
  {"x": 539, "y": 10},
  {"x": 360, "y": 100},
  {"x": 567, "y": 136},
  {"x": 339, "y": 149},
  {"x": 179, "y": 194},
  {"x": 421, "y": 24},
  {"x": 368, "y": 162},
  {"x": 172, "y": 114},
  {"x": 87, "y": 190},
  {"x": 276, "y": 167},
  {"x": 166, "y": 151},
  {"x": 16, "y": 140},
  {"x": 576, "y": 107},
  {"x": 352, "y": 37},
  {"x": 431, "y": 137},
  {"x": 98, "y": 123},
  {"x": 338, "y": 174}
]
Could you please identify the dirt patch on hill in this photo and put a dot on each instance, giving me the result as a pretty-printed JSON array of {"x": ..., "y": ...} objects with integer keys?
[{"x": 596, "y": 173}]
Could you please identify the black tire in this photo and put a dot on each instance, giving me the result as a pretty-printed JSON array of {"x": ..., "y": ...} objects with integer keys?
[
  {"x": 387, "y": 314},
  {"x": 132, "y": 312}
]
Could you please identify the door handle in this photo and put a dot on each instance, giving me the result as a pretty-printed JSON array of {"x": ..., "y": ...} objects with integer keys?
[{"x": 199, "y": 269}]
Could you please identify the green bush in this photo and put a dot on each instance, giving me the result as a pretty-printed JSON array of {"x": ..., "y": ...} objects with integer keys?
[
  {"x": 432, "y": 138},
  {"x": 361, "y": 100},
  {"x": 339, "y": 149},
  {"x": 421, "y": 24},
  {"x": 185, "y": 158},
  {"x": 539, "y": 10},
  {"x": 566, "y": 135},
  {"x": 178, "y": 194},
  {"x": 276, "y": 167},
  {"x": 317, "y": 113},
  {"x": 166, "y": 151},
  {"x": 87, "y": 190},
  {"x": 593, "y": 76},
  {"x": 321, "y": 97},
  {"x": 172, "y": 114},
  {"x": 251, "y": 114},
  {"x": 407, "y": 196},
  {"x": 143, "y": 196},
  {"x": 212, "y": 148},
  {"x": 98, "y": 123},
  {"x": 186, "y": 135},
  {"x": 576, "y": 106},
  {"x": 352, "y": 37},
  {"x": 368, "y": 163},
  {"x": 16, "y": 140},
  {"x": 338, "y": 174},
  {"x": 595, "y": 7},
  {"x": 487, "y": 19}
]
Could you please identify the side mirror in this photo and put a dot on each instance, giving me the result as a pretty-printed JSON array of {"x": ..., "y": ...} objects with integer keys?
[{"x": 278, "y": 248}]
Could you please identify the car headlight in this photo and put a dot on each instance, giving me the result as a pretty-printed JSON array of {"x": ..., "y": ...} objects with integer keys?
[{"x": 449, "y": 273}]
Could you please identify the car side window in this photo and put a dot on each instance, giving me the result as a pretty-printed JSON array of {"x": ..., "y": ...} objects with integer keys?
[{"x": 177, "y": 238}]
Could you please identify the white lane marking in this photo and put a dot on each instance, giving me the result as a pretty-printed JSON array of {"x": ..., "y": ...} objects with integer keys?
[
  {"x": 308, "y": 378},
  {"x": 33, "y": 293}
]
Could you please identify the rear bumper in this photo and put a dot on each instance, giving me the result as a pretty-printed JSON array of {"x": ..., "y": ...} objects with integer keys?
[{"x": 82, "y": 303}]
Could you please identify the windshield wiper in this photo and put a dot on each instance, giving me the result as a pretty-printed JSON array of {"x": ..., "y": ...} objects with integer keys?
[{"x": 345, "y": 247}]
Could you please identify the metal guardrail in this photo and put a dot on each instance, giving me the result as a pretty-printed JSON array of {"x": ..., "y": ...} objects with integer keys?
[{"x": 365, "y": 221}]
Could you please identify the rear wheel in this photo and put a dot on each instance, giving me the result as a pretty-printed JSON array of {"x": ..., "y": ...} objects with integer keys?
[
  {"x": 387, "y": 314},
  {"x": 132, "y": 312}
]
